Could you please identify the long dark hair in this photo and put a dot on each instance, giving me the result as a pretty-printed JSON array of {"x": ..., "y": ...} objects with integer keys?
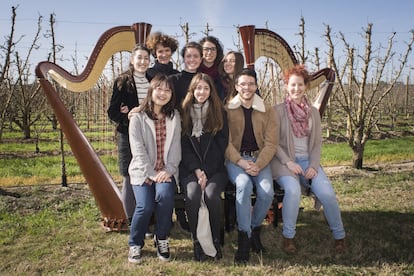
[
  {"x": 147, "y": 105},
  {"x": 219, "y": 48},
  {"x": 214, "y": 122}
]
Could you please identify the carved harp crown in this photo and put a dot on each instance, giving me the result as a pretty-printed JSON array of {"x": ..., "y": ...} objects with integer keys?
[
  {"x": 263, "y": 42},
  {"x": 101, "y": 184}
]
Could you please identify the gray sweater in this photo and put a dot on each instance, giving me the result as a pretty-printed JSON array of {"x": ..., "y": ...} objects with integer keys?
[{"x": 142, "y": 139}]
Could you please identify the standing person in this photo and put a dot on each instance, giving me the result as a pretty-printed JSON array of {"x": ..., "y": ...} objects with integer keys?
[
  {"x": 155, "y": 135},
  {"x": 192, "y": 56},
  {"x": 212, "y": 56},
  {"x": 129, "y": 89},
  {"x": 204, "y": 141},
  {"x": 297, "y": 160},
  {"x": 230, "y": 66},
  {"x": 162, "y": 48},
  {"x": 252, "y": 145}
]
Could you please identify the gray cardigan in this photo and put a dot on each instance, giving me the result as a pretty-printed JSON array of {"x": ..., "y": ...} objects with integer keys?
[
  {"x": 286, "y": 150},
  {"x": 142, "y": 139}
]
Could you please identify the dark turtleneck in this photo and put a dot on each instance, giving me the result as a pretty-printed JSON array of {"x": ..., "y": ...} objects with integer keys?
[
  {"x": 160, "y": 68},
  {"x": 181, "y": 83}
]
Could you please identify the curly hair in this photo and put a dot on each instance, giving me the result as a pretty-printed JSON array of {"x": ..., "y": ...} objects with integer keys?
[
  {"x": 160, "y": 38},
  {"x": 219, "y": 48},
  {"x": 298, "y": 70}
]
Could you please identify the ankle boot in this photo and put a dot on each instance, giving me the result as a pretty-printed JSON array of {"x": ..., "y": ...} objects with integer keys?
[
  {"x": 256, "y": 243},
  {"x": 243, "y": 248},
  {"x": 217, "y": 245},
  {"x": 199, "y": 254}
]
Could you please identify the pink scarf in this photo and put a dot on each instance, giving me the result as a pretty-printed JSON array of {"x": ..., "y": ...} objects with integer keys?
[{"x": 298, "y": 115}]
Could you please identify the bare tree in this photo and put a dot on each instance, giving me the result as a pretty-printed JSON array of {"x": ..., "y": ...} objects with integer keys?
[
  {"x": 26, "y": 104},
  {"x": 360, "y": 95},
  {"x": 5, "y": 81}
]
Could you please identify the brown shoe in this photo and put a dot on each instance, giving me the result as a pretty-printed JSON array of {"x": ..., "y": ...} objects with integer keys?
[
  {"x": 289, "y": 246},
  {"x": 340, "y": 246}
]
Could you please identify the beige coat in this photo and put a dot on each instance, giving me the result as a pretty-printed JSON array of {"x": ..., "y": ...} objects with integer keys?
[
  {"x": 264, "y": 127},
  {"x": 286, "y": 149}
]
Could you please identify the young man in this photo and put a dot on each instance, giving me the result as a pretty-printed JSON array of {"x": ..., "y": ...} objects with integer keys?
[{"x": 252, "y": 145}]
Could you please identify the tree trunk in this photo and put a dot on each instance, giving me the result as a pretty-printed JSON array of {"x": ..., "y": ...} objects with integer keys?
[
  {"x": 26, "y": 131},
  {"x": 357, "y": 155}
]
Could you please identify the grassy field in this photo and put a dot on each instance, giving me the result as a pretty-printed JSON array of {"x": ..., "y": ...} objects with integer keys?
[
  {"x": 51, "y": 230},
  {"x": 54, "y": 230}
]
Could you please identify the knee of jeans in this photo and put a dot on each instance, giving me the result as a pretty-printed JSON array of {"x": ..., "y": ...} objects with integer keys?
[
  {"x": 292, "y": 191},
  {"x": 244, "y": 188}
]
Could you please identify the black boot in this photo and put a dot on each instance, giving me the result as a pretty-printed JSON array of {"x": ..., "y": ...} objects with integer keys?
[
  {"x": 217, "y": 245},
  {"x": 243, "y": 248},
  {"x": 199, "y": 254},
  {"x": 256, "y": 243}
]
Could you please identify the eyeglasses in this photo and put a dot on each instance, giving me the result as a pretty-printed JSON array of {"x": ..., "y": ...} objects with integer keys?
[
  {"x": 207, "y": 49},
  {"x": 247, "y": 84}
]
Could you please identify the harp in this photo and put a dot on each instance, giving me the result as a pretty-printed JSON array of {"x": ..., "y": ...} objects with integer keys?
[
  {"x": 101, "y": 184},
  {"x": 263, "y": 42}
]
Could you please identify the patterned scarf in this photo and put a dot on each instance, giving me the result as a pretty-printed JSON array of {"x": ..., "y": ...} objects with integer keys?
[
  {"x": 198, "y": 115},
  {"x": 298, "y": 115}
]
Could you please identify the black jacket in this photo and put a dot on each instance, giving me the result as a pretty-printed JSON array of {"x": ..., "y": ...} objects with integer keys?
[
  {"x": 207, "y": 155},
  {"x": 124, "y": 92}
]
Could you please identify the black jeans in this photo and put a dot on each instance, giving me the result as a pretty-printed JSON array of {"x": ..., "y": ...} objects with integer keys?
[{"x": 215, "y": 185}]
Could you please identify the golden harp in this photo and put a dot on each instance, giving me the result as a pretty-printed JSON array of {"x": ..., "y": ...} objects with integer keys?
[
  {"x": 263, "y": 42},
  {"x": 101, "y": 184}
]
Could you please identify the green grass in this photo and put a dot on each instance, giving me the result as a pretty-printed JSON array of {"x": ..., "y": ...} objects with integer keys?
[
  {"x": 48, "y": 229},
  {"x": 53, "y": 230},
  {"x": 376, "y": 151}
]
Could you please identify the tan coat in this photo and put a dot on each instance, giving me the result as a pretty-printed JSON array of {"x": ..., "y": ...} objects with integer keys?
[
  {"x": 286, "y": 148},
  {"x": 264, "y": 128}
]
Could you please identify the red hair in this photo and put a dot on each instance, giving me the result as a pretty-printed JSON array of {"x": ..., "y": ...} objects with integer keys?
[{"x": 298, "y": 70}]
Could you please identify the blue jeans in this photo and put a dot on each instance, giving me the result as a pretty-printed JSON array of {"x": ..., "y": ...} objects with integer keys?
[
  {"x": 158, "y": 197},
  {"x": 247, "y": 219},
  {"x": 322, "y": 188}
]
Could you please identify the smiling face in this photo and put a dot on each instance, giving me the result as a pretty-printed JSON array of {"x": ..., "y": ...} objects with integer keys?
[
  {"x": 209, "y": 53},
  {"x": 246, "y": 88},
  {"x": 163, "y": 54},
  {"x": 202, "y": 92},
  {"x": 192, "y": 59},
  {"x": 140, "y": 60},
  {"x": 296, "y": 88},
  {"x": 161, "y": 95},
  {"x": 229, "y": 63}
]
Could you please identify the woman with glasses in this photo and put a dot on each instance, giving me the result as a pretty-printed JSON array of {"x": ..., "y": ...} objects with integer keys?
[{"x": 212, "y": 56}]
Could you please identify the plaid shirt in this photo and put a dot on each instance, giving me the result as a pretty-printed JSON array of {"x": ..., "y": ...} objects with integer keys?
[{"x": 160, "y": 136}]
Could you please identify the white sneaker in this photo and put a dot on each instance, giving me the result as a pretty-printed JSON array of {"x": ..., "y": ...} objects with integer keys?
[
  {"x": 163, "y": 249},
  {"x": 134, "y": 255}
]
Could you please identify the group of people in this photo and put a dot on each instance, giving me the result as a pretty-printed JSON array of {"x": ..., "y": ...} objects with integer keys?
[{"x": 206, "y": 126}]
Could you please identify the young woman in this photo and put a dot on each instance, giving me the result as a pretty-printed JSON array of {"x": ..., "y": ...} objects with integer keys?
[
  {"x": 212, "y": 56},
  {"x": 155, "y": 135},
  {"x": 230, "y": 66},
  {"x": 297, "y": 159},
  {"x": 129, "y": 89},
  {"x": 204, "y": 140},
  {"x": 162, "y": 48},
  {"x": 192, "y": 56}
]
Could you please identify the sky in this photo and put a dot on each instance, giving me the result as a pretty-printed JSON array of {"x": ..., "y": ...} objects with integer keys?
[{"x": 79, "y": 24}]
